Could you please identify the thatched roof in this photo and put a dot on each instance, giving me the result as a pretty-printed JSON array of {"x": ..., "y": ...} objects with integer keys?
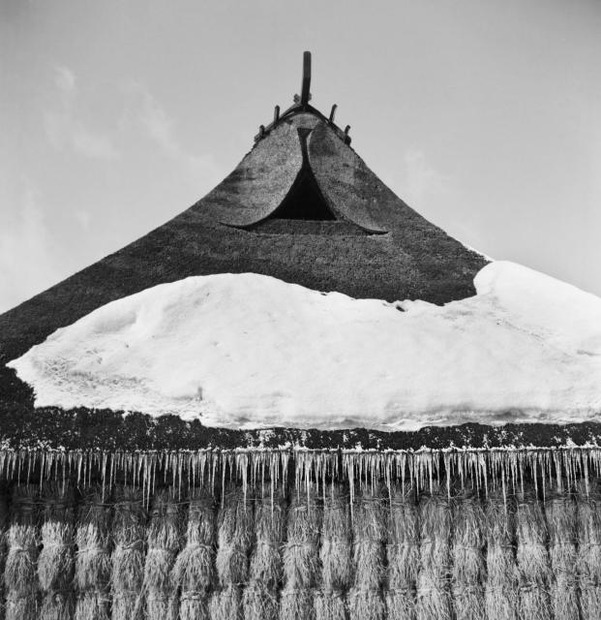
[
  {"x": 362, "y": 240},
  {"x": 127, "y": 516}
]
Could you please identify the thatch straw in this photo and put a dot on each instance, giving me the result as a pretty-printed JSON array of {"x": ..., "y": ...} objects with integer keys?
[
  {"x": 433, "y": 596},
  {"x": 400, "y": 603},
  {"x": 364, "y": 604},
  {"x": 163, "y": 542},
  {"x": 260, "y": 603},
  {"x": 467, "y": 557},
  {"x": 266, "y": 558},
  {"x": 92, "y": 605},
  {"x": 297, "y": 604},
  {"x": 194, "y": 568},
  {"x": 532, "y": 558},
  {"x": 330, "y": 605},
  {"x": 93, "y": 559},
  {"x": 589, "y": 550},
  {"x": 235, "y": 535},
  {"x": 501, "y": 591},
  {"x": 369, "y": 535},
  {"x": 194, "y": 606},
  {"x": 128, "y": 554},
  {"x": 56, "y": 562},
  {"x": 261, "y": 594},
  {"x": 3, "y": 542},
  {"x": 23, "y": 538},
  {"x": 226, "y": 604},
  {"x": 92, "y": 537},
  {"x": 403, "y": 553},
  {"x": 161, "y": 606},
  {"x": 335, "y": 552},
  {"x": 57, "y": 606},
  {"x": 301, "y": 554},
  {"x": 20, "y": 607},
  {"x": 561, "y": 520}
]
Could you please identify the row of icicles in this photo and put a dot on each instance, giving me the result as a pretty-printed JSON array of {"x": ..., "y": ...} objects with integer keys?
[{"x": 505, "y": 469}]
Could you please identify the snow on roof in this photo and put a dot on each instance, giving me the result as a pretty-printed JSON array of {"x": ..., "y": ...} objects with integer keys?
[{"x": 248, "y": 351}]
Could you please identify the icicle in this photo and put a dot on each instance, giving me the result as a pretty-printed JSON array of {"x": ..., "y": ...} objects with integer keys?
[
  {"x": 484, "y": 469},
  {"x": 222, "y": 483},
  {"x": 586, "y": 481},
  {"x": 533, "y": 468},
  {"x": 521, "y": 462},
  {"x": 558, "y": 471},
  {"x": 595, "y": 454},
  {"x": 203, "y": 464},
  {"x": 42, "y": 469},
  {"x": 403, "y": 464},
  {"x": 180, "y": 469},
  {"x": 349, "y": 465},
  {"x": 447, "y": 465},
  {"x": 543, "y": 468},
  {"x": 157, "y": 461},
  {"x": 308, "y": 477},
  {"x": 242, "y": 469},
  {"x": 504, "y": 488}
]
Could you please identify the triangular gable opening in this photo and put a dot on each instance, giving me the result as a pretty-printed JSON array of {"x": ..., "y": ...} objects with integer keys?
[{"x": 304, "y": 201}]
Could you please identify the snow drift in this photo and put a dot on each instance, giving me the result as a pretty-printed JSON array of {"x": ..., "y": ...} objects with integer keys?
[{"x": 253, "y": 351}]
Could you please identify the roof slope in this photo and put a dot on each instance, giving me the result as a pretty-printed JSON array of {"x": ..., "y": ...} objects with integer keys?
[{"x": 377, "y": 247}]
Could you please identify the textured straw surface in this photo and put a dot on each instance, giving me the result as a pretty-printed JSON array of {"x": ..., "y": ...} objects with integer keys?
[{"x": 302, "y": 550}]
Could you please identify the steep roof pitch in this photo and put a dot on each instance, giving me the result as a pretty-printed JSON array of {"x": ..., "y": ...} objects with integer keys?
[
  {"x": 364, "y": 241},
  {"x": 368, "y": 244}
]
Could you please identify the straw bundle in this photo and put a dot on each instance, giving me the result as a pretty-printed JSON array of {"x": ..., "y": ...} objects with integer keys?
[
  {"x": 260, "y": 603},
  {"x": 128, "y": 554},
  {"x": 235, "y": 535},
  {"x": 501, "y": 592},
  {"x": 589, "y": 550},
  {"x": 301, "y": 555},
  {"x": 369, "y": 534},
  {"x": 532, "y": 558},
  {"x": 56, "y": 563},
  {"x": 433, "y": 596},
  {"x": 467, "y": 557},
  {"x": 93, "y": 605},
  {"x": 561, "y": 520},
  {"x": 93, "y": 560},
  {"x": 193, "y": 572},
  {"x": 335, "y": 554},
  {"x": 163, "y": 543},
  {"x": 194, "y": 606},
  {"x": 226, "y": 604},
  {"x": 3, "y": 541},
  {"x": 367, "y": 604},
  {"x": 261, "y": 595},
  {"x": 23, "y": 538},
  {"x": 297, "y": 604},
  {"x": 403, "y": 554},
  {"x": 330, "y": 605}
]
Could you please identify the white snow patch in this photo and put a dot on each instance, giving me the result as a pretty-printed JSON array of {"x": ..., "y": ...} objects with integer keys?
[{"x": 250, "y": 351}]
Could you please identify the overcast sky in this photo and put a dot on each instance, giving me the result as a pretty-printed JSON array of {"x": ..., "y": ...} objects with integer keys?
[{"x": 484, "y": 115}]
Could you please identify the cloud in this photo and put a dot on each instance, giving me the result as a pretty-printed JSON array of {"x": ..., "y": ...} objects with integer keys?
[
  {"x": 147, "y": 113},
  {"x": 421, "y": 179},
  {"x": 65, "y": 129},
  {"x": 27, "y": 263},
  {"x": 65, "y": 80}
]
